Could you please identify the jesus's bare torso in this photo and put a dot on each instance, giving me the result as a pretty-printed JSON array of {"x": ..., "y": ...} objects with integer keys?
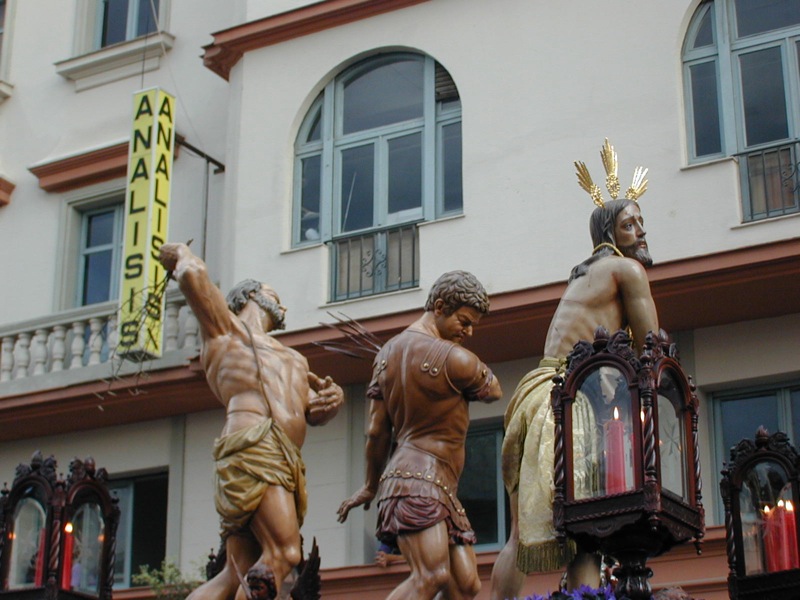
[{"x": 588, "y": 302}]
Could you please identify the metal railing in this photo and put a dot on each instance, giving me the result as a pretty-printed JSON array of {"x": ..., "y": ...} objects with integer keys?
[
  {"x": 770, "y": 181},
  {"x": 376, "y": 262}
]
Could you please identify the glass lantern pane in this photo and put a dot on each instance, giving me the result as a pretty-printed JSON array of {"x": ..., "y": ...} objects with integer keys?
[
  {"x": 602, "y": 435},
  {"x": 769, "y": 529},
  {"x": 26, "y": 568},
  {"x": 672, "y": 436},
  {"x": 86, "y": 552}
]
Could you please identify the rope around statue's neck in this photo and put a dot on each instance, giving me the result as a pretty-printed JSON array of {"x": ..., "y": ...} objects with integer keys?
[{"x": 608, "y": 245}]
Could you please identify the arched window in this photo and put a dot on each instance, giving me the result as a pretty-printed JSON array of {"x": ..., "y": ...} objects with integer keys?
[
  {"x": 742, "y": 82},
  {"x": 378, "y": 152}
]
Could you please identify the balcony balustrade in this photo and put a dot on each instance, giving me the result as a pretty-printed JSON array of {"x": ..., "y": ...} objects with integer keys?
[{"x": 79, "y": 345}]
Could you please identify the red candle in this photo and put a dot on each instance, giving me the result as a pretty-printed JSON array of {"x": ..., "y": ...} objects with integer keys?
[
  {"x": 38, "y": 578},
  {"x": 772, "y": 540},
  {"x": 615, "y": 454},
  {"x": 66, "y": 571},
  {"x": 780, "y": 537},
  {"x": 791, "y": 535}
]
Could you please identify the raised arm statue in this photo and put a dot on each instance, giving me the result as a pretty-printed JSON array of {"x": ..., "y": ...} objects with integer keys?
[{"x": 270, "y": 396}]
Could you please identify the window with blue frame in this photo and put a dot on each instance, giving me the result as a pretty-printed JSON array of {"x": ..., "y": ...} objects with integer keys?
[
  {"x": 122, "y": 20},
  {"x": 742, "y": 90},
  {"x": 142, "y": 529},
  {"x": 481, "y": 490},
  {"x": 378, "y": 152},
  {"x": 100, "y": 254},
  {"x": 737, "y": 416}
]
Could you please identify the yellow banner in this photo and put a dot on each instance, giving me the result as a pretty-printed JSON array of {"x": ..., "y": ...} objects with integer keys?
[{"x": 150, "y": 156}]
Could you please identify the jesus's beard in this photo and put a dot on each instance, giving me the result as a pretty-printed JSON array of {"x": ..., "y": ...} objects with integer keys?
[{"x": 637, "y": 252}]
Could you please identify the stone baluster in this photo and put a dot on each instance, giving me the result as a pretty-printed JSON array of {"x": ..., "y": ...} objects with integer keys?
[
  {"x": 22, "y": 355},
  {"x": 112, "y": 336},
  {"x": 171, "y": 326},
  {"x": 95, "y": 340},
  {"x": 59, "y": 351},
  {"x": 78, "y": 345},
  {"x": 192, "y": 329},
  {"x": 39, "y": 352},
  {"x": 7, "y": 358}
]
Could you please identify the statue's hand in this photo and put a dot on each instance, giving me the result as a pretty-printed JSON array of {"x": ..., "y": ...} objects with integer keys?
[
  {"x": 169, "y": 254},
  {"x": 325, "y": 403},
  {"x": 362, "y": 497}
]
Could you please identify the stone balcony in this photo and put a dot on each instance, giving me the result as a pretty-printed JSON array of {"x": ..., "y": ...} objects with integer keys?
[{"x": 53, "y": 368}]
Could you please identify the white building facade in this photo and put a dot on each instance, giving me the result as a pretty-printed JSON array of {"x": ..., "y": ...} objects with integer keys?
[{"x": 348, "y": 152}]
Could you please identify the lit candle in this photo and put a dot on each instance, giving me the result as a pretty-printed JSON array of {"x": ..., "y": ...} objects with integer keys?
[
  {"x": 780, "y": 545},
  {"x": 66, "y": 571},
  {"x": 772, "y": 540},
  {"x": 791, "y": 535},
  {"x": 615, "y": 454},
  {"x": 38, "y": 578}
]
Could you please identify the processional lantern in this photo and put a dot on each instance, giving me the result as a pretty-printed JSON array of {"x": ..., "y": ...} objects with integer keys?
[
  {"x": 627, "y": 469},
  {"x": 58, "y": 536},
  {"x": 760, "y": 489}
]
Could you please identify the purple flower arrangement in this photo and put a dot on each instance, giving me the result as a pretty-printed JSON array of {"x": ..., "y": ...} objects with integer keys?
[{"x": 584, "y": 592}]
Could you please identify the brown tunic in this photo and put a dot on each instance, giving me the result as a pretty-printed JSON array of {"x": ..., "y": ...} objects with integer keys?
[{"x": 430, "y": 417}]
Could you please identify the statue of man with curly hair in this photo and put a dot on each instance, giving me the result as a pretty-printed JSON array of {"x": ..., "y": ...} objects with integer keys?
[{"x": 423, "y": 381}]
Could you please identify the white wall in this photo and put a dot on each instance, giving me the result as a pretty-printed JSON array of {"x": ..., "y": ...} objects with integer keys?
[
  {"x": 537, "y": 95},
  {"x": 748, "y": 353},
  {"x": 536, "y": 98},
  {"x": 144, "y": 447},
  {"x": 46, "y": 119}
]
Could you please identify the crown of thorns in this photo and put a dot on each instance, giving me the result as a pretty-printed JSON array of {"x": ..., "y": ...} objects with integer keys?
[{"x": 609, "y": 156}]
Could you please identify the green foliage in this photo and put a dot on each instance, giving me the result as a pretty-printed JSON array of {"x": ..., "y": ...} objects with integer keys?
[{"x": 168, "y": 583}]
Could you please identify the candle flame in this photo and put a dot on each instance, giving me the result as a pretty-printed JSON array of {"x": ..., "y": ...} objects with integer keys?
[
  {"x": 781, "y": 503},
  {"x": 616, "y": 414},
  {"x": 766, "y": 510},
  {"x": 68, "y": 527},
  {"x": 789, "y": 506}
]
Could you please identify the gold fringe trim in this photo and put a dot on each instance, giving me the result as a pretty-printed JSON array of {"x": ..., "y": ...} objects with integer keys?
[{"x": 544, "y": 557}]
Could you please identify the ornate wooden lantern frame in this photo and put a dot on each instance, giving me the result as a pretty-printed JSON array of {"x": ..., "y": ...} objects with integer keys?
[
  {"x": 745, "y": 581},
  {"x": 61, "y": 502},
  {"x": 645, "y": 519}
]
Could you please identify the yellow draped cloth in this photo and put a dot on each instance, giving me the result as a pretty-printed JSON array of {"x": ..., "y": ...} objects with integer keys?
[
  {"x": 249, "y": 460},
  {"x": 528, "y": 458}
]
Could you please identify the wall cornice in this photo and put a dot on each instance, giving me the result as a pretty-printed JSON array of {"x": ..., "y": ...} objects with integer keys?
[
  {"x": 6, "y": 188},
  {"x": 87, "y": 168},
  {"x": 229, "y": 45},
  {"x": 73, "y": 172}
]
